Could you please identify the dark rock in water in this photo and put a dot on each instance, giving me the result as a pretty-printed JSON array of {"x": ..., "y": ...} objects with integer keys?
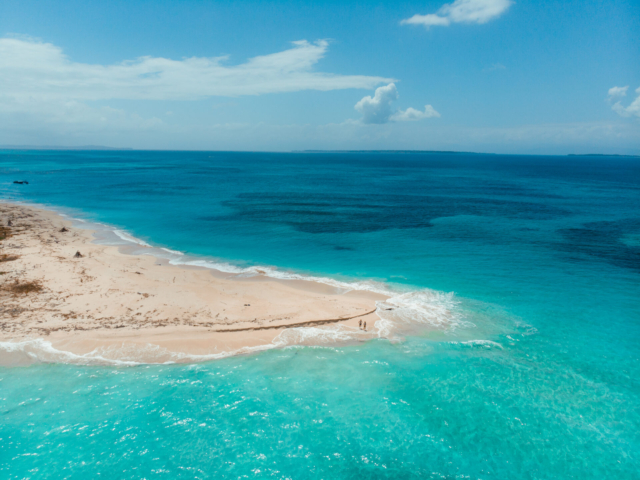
[
  {"x": 77, "y": 255},
  {"x": 63, "y": 229},
  {"x": 23, "y": 182}
]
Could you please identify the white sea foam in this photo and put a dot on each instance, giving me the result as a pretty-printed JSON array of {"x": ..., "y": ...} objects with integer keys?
[
  {"x": 130, "y": 238},
  {"x": 488, "y": 344},
  {"x": 42, "y": 351},
  {"x": 39, "y": 350},
  {"x": 174, "y": 252},
  {"x": 369, "y": 286},
  {"x": 426, "y": 307}
]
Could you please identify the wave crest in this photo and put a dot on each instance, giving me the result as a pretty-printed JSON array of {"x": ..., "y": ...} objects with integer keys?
[{"x": 39, "y": 350}]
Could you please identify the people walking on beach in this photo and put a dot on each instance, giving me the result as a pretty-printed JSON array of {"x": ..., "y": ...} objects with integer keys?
[
  {"x": 360, "y": 324},
  {"x": 365, "y": 326}
]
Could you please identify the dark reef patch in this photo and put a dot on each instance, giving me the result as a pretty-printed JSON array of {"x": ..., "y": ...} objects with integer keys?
[
  {"x": 602, "y": 240},
  {"x": 314, "y": 213}
]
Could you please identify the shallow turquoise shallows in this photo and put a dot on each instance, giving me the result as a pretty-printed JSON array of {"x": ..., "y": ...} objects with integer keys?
[{"x": 535, "y": 374}]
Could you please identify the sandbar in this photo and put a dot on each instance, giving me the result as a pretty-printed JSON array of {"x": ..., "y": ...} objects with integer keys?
[{"x": 106, "y": 299}]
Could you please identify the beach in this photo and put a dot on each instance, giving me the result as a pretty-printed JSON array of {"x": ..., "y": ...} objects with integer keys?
[{"x": 60, "y": 286}]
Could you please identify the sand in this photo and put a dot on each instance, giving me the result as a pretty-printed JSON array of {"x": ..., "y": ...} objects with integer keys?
[{"x": 106, "y": 299}]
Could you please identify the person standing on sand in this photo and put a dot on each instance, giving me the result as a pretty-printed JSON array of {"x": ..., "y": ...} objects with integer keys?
[
  {"x": 360, "y": 324},
  {"x": 365, "y": 326}
]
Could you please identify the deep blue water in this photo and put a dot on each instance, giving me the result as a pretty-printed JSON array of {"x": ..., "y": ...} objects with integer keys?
[{"x": 538, "y": 377}]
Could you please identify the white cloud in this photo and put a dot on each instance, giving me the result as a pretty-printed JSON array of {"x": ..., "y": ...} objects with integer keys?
[
  {"x": 461, "y": 11},
  {"x": 378, "y": 109},
  {"x": 34, "y": 70},
  {"x": 429, "y": 20},
  {"x": 633, "y": 110},
  {"x": 411, "y": 114},
  {"x": 618, "y": 91}
]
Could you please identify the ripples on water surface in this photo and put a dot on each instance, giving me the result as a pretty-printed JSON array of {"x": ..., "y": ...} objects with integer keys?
[{"x": 536, "y": 378}]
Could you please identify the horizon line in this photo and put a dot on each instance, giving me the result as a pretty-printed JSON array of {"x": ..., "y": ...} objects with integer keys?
[{"x": 306, "y": 151}]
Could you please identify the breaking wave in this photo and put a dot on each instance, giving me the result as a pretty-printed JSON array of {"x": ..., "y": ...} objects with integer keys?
[
  {"x": 129, "y": 238},
  {"x": 485, "y": 344},
  {"x": 39, "y": 350}
]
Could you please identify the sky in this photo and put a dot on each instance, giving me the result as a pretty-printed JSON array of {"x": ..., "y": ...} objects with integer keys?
[{"x": 494, "y": 76}]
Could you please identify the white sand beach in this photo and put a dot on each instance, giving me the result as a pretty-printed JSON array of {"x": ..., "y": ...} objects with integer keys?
[{"x": 105, "y": 298}]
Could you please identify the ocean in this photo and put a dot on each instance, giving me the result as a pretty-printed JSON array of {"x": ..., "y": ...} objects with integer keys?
[{"x": 518, "y": 279}]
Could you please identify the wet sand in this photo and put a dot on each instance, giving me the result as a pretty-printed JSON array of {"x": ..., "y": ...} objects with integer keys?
[{"x": 108, "y": 300}]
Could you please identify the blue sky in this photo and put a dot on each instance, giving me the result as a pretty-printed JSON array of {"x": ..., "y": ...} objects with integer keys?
[{"x": 475, "y": 75}]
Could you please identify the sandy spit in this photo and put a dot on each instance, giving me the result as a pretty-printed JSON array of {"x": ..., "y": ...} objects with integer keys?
[{"x": 108, "y": 301}]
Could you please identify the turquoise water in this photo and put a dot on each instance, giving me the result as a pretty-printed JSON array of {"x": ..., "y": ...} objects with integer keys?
[{"x": 534, "y": 374}]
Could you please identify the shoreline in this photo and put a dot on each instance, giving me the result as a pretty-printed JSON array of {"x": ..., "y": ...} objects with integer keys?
[{"x": 107, "y": 302}]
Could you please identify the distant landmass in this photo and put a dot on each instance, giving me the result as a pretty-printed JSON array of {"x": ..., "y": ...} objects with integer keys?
[
  {"x": 390, "y": 151},
  {"x": 600, "y": 155},
  {"x": 56, "y": 147},
  {"x": 446, "y": 152},
  {"x": 452, "y": 152}
]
